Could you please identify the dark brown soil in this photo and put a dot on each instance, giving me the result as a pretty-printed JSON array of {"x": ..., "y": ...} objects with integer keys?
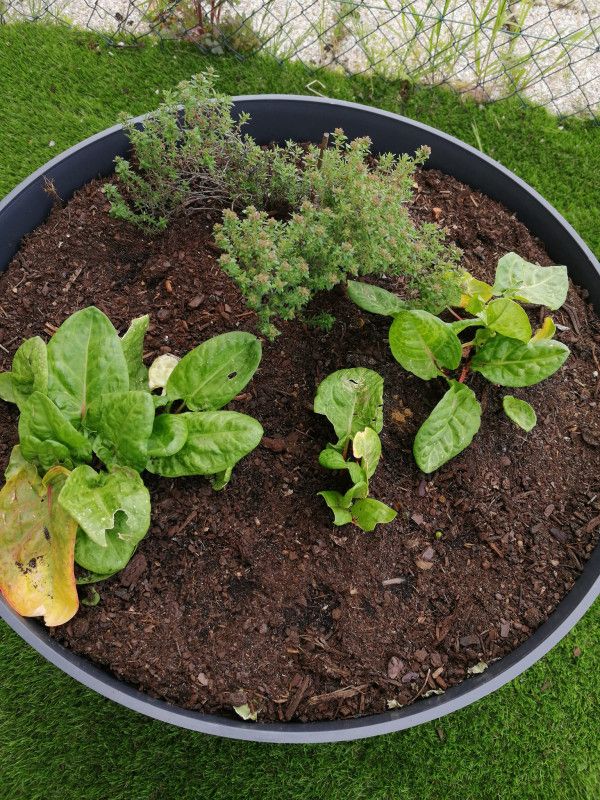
[{"x": 251, "y": 594}]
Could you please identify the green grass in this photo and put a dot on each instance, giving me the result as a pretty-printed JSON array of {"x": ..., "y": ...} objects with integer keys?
[{"x": 535, "y": 739}]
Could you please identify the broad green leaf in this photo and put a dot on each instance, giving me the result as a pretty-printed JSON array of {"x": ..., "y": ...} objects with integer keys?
[
  {"x": 351, "y": 399},
  {"x": 94, "y": 499},
  {"x": 29, "y": 370},
  {"x": 508, "y": 318},
  {"x": 546, "y": 331},
  {"x": 216, "y": 441},
  {"x": 336, "y": 502},
  {"x": 367, "y": 446},
  {"x": 368, "y": 513},
  {"x": 46, "y": 454},
  {"x": 85, "y": 361},
  {"x": 123, "y": 422},
  {"x": 7, "y": 391},
  {"x": 482, "y": 336},
  {"x": 121, "y": 543},
  {"x": 212, "y": 374},
  {"x": 449, "y": 428},
  {"x": 160, "y": 371},
  {"x": 475, "y": 305},
  {"x": 459, "y": 325},
  {"x": 16, "y": 462},
  {"x": 374, "y": 299},
  {"x": 358, "y": 490},
  {"x": 88, "y": 577},
  {"x": 474, "y": 289},
  {"x": 423, "y": 344},
  {"x": 168, "y": 435},
  {"x": 37, "y": 539},
  {"x": 132, "y": 343},
  {"x": 331, "y": 458},
  {"x": 509, "y": 362},
  {"x": 47, "y": 437},
  {"x": 520, "y": 412},
  {"x": 544, "y": 286}
]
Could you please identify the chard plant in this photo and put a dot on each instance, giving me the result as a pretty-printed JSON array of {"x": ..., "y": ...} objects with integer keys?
[
  {"x": 352, "y": 400},
  {"x": 89, "y": 424},
  {"x": 504, "y": 349}
]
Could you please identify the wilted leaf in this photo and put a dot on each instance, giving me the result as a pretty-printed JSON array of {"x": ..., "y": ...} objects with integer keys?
[
  {"x": 546, "y": 331},
  {"x": 160, "y": 371},
  {"x": 520, "y": 412},
  {"x": 393, "y": 704},
  {"x": 509, "y": 362},
  {"x": 37, "y": 538},
  {"x": 480, "y": 667},
  {"x": 245, "y": 712},
  {"x": 423, "y": 344},
  {"x": 449, "y": 428},
  {"x": 544, "y": 286},
  {"x": 212, "y": 374}
]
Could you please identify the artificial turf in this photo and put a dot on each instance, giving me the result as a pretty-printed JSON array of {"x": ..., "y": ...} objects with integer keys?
[{"x": 536, "y": 739}]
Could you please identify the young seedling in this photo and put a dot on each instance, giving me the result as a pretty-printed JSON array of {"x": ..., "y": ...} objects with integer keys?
[
  {"x": 504, "y": 349},
  {"x": 86, "y": 397},
  {"x": 352, "y": 400}
]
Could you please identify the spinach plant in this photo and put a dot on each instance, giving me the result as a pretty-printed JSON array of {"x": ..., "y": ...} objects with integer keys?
[
  {"x": 352, "y": 400},
  {"x": 85, "y": 400},
  {"x": 504, "y": 349}
]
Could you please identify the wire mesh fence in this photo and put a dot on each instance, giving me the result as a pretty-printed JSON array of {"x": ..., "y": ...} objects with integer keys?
[{"x": 546, "y": 51}]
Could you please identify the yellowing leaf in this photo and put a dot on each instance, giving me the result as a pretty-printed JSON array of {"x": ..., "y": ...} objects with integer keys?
[
  {"x": 245, "y": 712},
  {"x": 547, "y": 330},
  {"x": 478, "y": 668},
  {"x": 37, "y": 540},
  {"x": 473, "y": 288}
]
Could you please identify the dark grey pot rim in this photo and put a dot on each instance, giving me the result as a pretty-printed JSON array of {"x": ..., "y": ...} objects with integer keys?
[{"x": 26, "y": 207}]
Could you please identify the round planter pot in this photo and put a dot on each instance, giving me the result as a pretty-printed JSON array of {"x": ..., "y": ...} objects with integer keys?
[{"x": 277, "y": 118}]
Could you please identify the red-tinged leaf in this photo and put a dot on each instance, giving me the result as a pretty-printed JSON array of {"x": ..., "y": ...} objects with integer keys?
[{"x": 37, "y": 541}]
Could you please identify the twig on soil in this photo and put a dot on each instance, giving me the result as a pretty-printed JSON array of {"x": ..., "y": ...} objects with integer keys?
[
  {"x": 339, "y": 694},
  {"x": 422, "y": 689},
  {"x": 296, "y": 699}
]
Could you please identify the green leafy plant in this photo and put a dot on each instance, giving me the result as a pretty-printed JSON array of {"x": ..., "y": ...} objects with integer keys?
[
  {"x": 191, "y": 155},
  {"x": 504, "y": 349},
  {"x": 354, "y": 221},
  {"x": 352, "y": 400},
  {"x": 85, "y": 400}
]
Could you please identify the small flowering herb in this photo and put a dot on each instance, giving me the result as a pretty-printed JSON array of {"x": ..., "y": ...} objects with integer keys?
[
  {"x": 352, "y": 400},
  {"x": 504, "y": 349},
  {"x": 85, "y": 398},
  {"x": 353, "y": 221}
]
